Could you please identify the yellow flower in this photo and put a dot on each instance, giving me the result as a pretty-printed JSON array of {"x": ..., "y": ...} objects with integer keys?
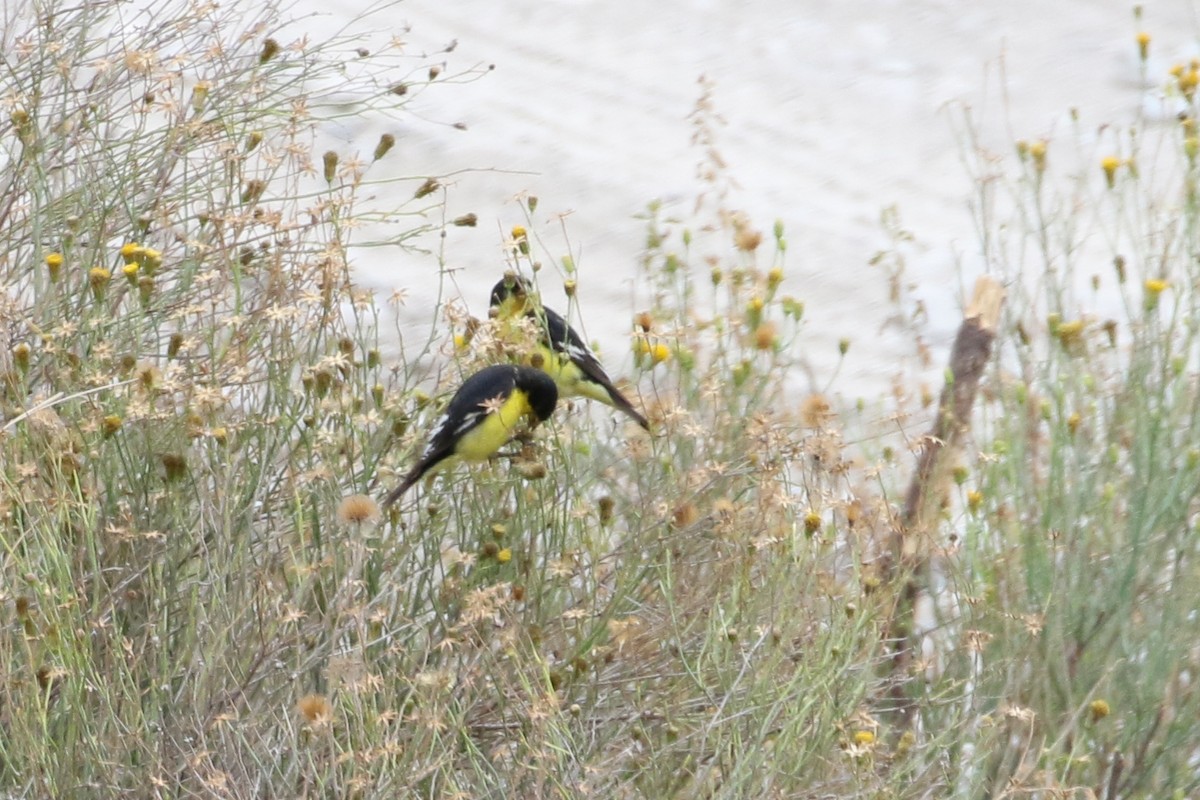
[
  {"x": 1109, "y": 164},
  {"x": 1187, "y": 82},
  {"x": 518, "y": 232},
  {"x": 54, "y": 262},
  {"x": 1068, "y": 332},
  {"x": 1143, "y": 43},
  {"x": 505, "y": 555},
  {"x": 660, "y": 353},
  {"x": 21, "y": 356},
  {"x": 974, "y": 499},
  {"x": 1154, "y": 287},
  {"x": 151, "y": 259},
  {"x": 864, "y": 738},
  {"x": 1099, "y": 709},
  {"x": 1073, "y": 422},
  {"x": 110, "y": 425},
  {"x": 131, "y": 272},
  {"x": 812, "y": 522},
  {"x": 130, "y": 252},
  {"x": 99, "y": 277},
  {"x": 1037, "y": 151}
]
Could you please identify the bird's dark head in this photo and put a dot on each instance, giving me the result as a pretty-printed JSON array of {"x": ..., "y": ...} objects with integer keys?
[
  {"x": 509, "y": 296},
  {"x": 540, "y": 389}
]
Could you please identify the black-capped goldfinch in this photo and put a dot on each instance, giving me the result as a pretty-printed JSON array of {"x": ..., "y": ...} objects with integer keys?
[
  {"x": 483, "y": 416},
  {"x": 564, "y": 355}
]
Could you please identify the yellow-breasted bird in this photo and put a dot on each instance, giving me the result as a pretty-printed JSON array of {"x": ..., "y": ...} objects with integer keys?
[
  {"x": 483, "y": 416},
  {"x": 565, "y": 356}
]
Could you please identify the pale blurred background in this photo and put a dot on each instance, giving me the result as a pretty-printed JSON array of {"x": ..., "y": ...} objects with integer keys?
[{"x": 834, "y": 111}]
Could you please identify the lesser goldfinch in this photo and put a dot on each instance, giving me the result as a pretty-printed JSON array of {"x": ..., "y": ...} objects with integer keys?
[
  {"x": 564, "y": 355},
  {"x": 482, "y": 417}
]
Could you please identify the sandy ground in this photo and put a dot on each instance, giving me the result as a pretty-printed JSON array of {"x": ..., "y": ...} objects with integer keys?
[{"x": 834, "y": 111}]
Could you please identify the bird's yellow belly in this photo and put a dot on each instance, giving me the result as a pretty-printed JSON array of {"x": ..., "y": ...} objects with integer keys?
[
  {"x": 570, "y": 378},
  {"x": 482, "y": 441}
]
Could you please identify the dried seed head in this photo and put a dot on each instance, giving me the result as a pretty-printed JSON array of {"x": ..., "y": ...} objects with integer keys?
[
  {"x": 175, "y": 466},
  {"x": 605, "y": 505},
  {"x": 425, "y": 189},
  {"x": 270, "y": 49},
  {"x": 357, "y": 509},
  {"x": 315, "y": 709},
  {"x": 20, "y": 355},
  {"x": 386, "y": 142}
]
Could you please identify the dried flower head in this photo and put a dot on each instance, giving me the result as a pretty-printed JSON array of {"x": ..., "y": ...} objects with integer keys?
[
  {"x": 357, "y": 509},
  {"x": 386, "y": 142},
  {"x": 315, "y": 709}
]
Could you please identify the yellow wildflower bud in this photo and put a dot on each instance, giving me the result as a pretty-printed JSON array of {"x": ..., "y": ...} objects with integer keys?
[
  {"x": 1188, "y": 81},
  {"x": 99, "y": 277},
  {"x": 1099, "y": 709},
  {"x": 130, "y": 252},
  {"x": 1109, "y": 164},
  {"x": 660, "y": 353},
  {"x": 1037, "y": 151},
  {"x": 864, "y": 738},
  {"x": 812, "y": 522},
  {"x": 130, "y": 271},
  {"x": 21, "y": 356},
  {"x": 54, "y": 262},
  {"x": 1153, "y": 287},
  {"x": 974, "y": 499},
  {"x": 145, "y": 289},
  {"x": 518, "y": 232},
  {"x": 150, "y": 260},
  {"x": 110, "y": 425},
  {"x": 505, "y": 555},
  {"x": 1143, "y": 43},
  {"x": 1069, "y": 333},
  {"x": 200, "y": 95},
  {"x": 1073, "y": 422}
]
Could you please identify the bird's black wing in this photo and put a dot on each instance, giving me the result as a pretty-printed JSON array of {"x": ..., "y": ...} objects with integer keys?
[
  {"x": 467, "y": 409},
  {"x": 560, "y": 337}
]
